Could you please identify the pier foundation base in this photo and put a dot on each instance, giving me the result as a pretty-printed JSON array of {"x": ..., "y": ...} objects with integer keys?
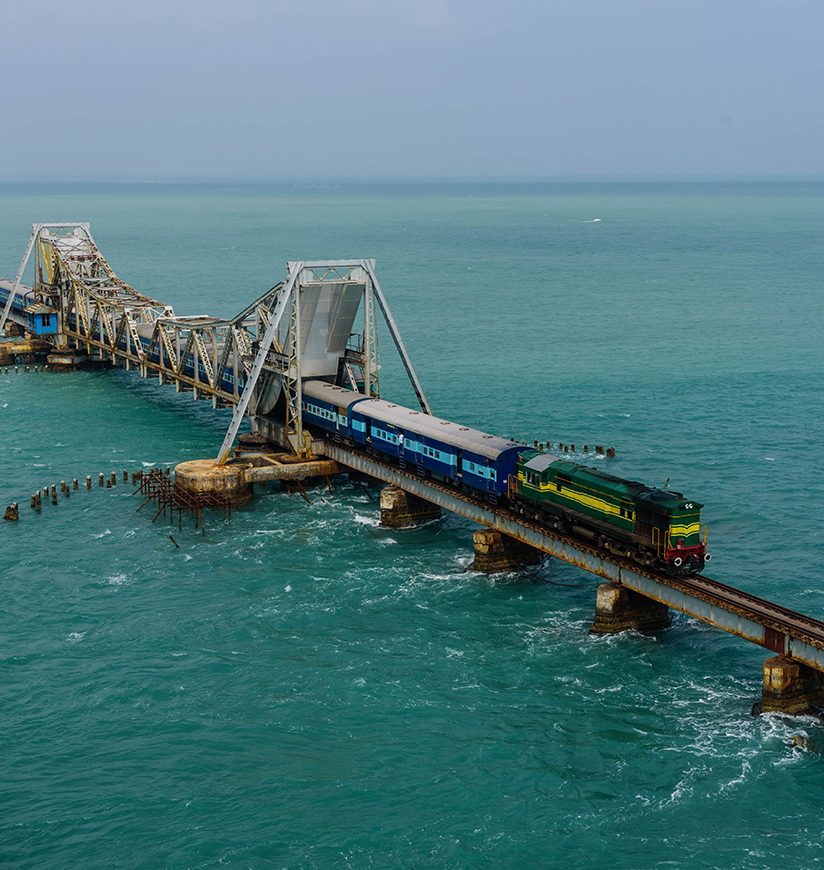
[
  {"x": 790, "y": 687},
  {"x": 619, "y": 609},
  {"x": 67, "y": 361},
  {"x": 401, "y": 510},
  {"x": 496, "y": 552},
  {"x": 201, "y": 476}
]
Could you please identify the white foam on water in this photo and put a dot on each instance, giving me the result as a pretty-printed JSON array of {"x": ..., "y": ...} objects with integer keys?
[
  {"x": 607, "y": 690},
  {"x": 683, "y": 788},
  {"x": 287, "y": 588},
  {"x": 725, "y": 787},
  {"x": 440, "y": 577},
  {"x": 592, "y": 221},
  {"x": 187, "y": 557},
  {"x": 118, "y": 580},
  {"x": 374, "y": 522},
  {"x": 75, "y": 636},
  {"x": 103, "y": 534}
]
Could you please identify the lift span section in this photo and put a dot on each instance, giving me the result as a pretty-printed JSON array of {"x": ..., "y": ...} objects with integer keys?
[
  {"x": 769, "y": 625},
  {"x": 254, "y": 362}
]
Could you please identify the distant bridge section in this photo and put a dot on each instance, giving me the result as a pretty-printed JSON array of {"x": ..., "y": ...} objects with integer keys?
[{"x": 304, "y": 326}]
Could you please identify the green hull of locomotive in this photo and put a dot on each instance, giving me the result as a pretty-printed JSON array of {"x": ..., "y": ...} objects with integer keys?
[{"x": 652, "y": 526}]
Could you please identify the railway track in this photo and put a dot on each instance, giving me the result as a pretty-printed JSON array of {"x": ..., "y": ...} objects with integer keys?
[{"x": 780, "y": 623}]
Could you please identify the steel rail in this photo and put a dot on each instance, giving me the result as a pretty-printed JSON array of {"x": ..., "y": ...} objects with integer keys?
[{"x": 735, "y": 611}]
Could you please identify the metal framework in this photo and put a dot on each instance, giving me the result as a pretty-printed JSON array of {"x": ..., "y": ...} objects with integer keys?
[
  {"x": 302, "y": 327},
  {"x": 732, "y": 610},
  {"x": 291, "y": 349}
]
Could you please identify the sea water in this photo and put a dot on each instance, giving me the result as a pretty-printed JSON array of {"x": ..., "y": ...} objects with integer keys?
[{"x": 298, "y": 687}]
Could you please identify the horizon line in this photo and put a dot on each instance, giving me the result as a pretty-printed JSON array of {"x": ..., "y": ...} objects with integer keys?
[{"x": 422, "y": 179}]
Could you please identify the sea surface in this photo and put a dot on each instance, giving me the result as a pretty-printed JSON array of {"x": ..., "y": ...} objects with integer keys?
[{"x": 300, "y": 688}]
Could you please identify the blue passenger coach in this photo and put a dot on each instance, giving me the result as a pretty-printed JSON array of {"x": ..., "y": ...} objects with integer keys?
[
  {"x": 432, "y": 446},
  {"x": 440, "y": 448},
  {"x": 327, "y": 406}
]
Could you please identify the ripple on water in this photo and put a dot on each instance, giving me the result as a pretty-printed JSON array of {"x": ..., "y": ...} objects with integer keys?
[{"x": 300, "y": 687}]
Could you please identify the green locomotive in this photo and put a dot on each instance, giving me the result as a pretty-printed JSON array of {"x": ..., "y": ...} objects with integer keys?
[{"x": 627, "y": 518}]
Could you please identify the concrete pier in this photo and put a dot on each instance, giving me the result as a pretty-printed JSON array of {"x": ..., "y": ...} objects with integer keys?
[
  {"x": 67, "y": 361},
  {"x": 289, "y": 468},
  {"x": 205, "y": 476},
  {"x": 620, "y": 609},
  {"x": 791, "y": 688},
  {"x": 401, "y": 510},
  {"x": 495, "y": 552}
]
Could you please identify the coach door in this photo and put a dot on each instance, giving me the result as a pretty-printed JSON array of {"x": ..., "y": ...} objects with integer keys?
[{"x": 404, "y": 453}]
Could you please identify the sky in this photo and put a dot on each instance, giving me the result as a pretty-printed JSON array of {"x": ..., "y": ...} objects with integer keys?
[{"x": 422, "y": 89}]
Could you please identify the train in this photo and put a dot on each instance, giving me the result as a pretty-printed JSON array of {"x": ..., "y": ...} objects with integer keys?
[{"x": 653, "y": 527}]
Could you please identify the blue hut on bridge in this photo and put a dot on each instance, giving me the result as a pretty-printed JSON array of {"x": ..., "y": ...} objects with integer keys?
[{"x": 42, "y": 319}]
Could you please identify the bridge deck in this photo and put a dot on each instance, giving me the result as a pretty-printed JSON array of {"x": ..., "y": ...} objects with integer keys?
[
  {"x": 213, "y": 358},
  {"x": 767, "y": 624}
]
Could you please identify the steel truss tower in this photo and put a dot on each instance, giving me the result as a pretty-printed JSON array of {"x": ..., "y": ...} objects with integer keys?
[{"x": 308, "y": 335}]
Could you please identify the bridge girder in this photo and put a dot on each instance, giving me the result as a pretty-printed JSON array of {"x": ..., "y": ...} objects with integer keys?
[{"x": 301, "y": 327}]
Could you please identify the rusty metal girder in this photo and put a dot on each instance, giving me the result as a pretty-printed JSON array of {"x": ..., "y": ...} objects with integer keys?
[{"x": 731, "y": 610}]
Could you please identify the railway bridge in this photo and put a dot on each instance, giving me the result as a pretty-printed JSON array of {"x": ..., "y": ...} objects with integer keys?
[{"x": 321, "y": 322}]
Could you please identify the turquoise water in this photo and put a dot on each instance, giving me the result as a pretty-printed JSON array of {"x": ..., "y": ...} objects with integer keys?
[{"x": 299, "y": 688}]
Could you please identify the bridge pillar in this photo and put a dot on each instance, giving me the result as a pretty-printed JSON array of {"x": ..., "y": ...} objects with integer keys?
[
  {"x": 402, "y": 510},
  {"x": 69, "y": 361},
  {"x": 619, "y": 609},
  {"x": 790, "y": 687},
  {"x": 205, "y": 476},
  {"x": 495, "y": 552}
]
